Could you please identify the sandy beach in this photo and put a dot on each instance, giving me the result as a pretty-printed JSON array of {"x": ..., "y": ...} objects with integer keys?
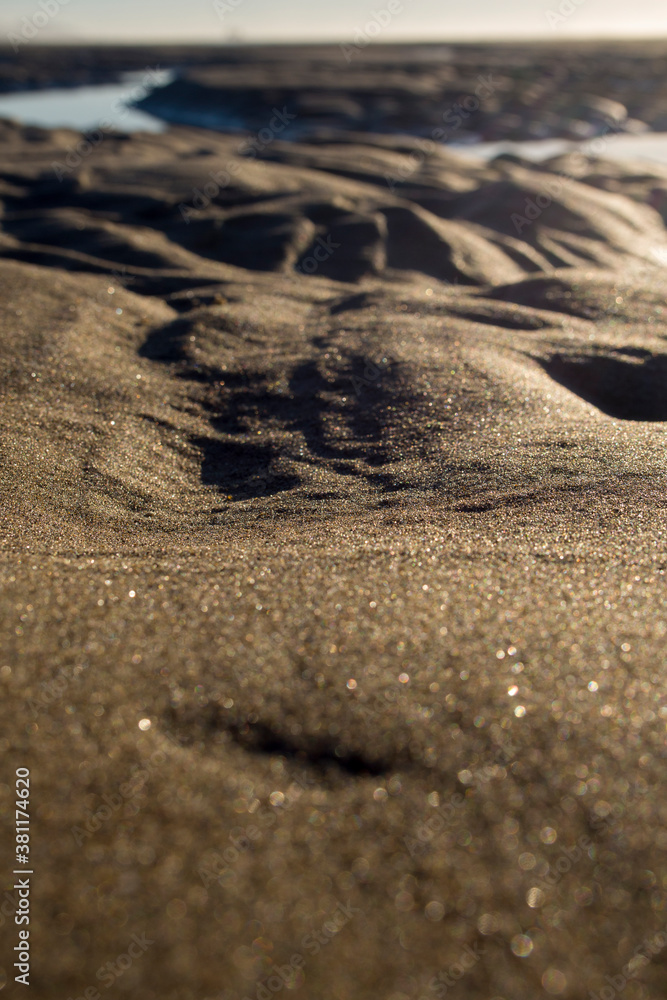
[{"x": 333, "y": 569}]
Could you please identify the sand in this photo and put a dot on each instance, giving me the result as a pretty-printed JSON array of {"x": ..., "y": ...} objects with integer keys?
[
  {"x": 333, "y": 587},
  {"x": 534, "y": 90}
]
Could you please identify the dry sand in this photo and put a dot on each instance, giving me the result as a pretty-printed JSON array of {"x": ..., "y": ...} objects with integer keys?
[{"x": 369, "y": 548}]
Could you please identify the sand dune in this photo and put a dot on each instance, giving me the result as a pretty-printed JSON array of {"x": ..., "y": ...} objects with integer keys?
[{"x": 371, "y": 541}]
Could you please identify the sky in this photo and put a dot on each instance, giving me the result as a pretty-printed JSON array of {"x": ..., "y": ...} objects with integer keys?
[{"x": 340, "y": 20}]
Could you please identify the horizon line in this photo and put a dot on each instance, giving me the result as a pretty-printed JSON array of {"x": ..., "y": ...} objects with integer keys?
[{"x": 284, "y": 42}]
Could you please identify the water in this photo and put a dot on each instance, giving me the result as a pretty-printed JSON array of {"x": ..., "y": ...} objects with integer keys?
[
  {"x": 87, "y": 108},
  {"x": 651, "y": 146}
]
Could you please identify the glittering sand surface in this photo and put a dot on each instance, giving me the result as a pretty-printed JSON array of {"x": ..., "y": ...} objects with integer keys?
[{"x": 333, "y": 604}]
